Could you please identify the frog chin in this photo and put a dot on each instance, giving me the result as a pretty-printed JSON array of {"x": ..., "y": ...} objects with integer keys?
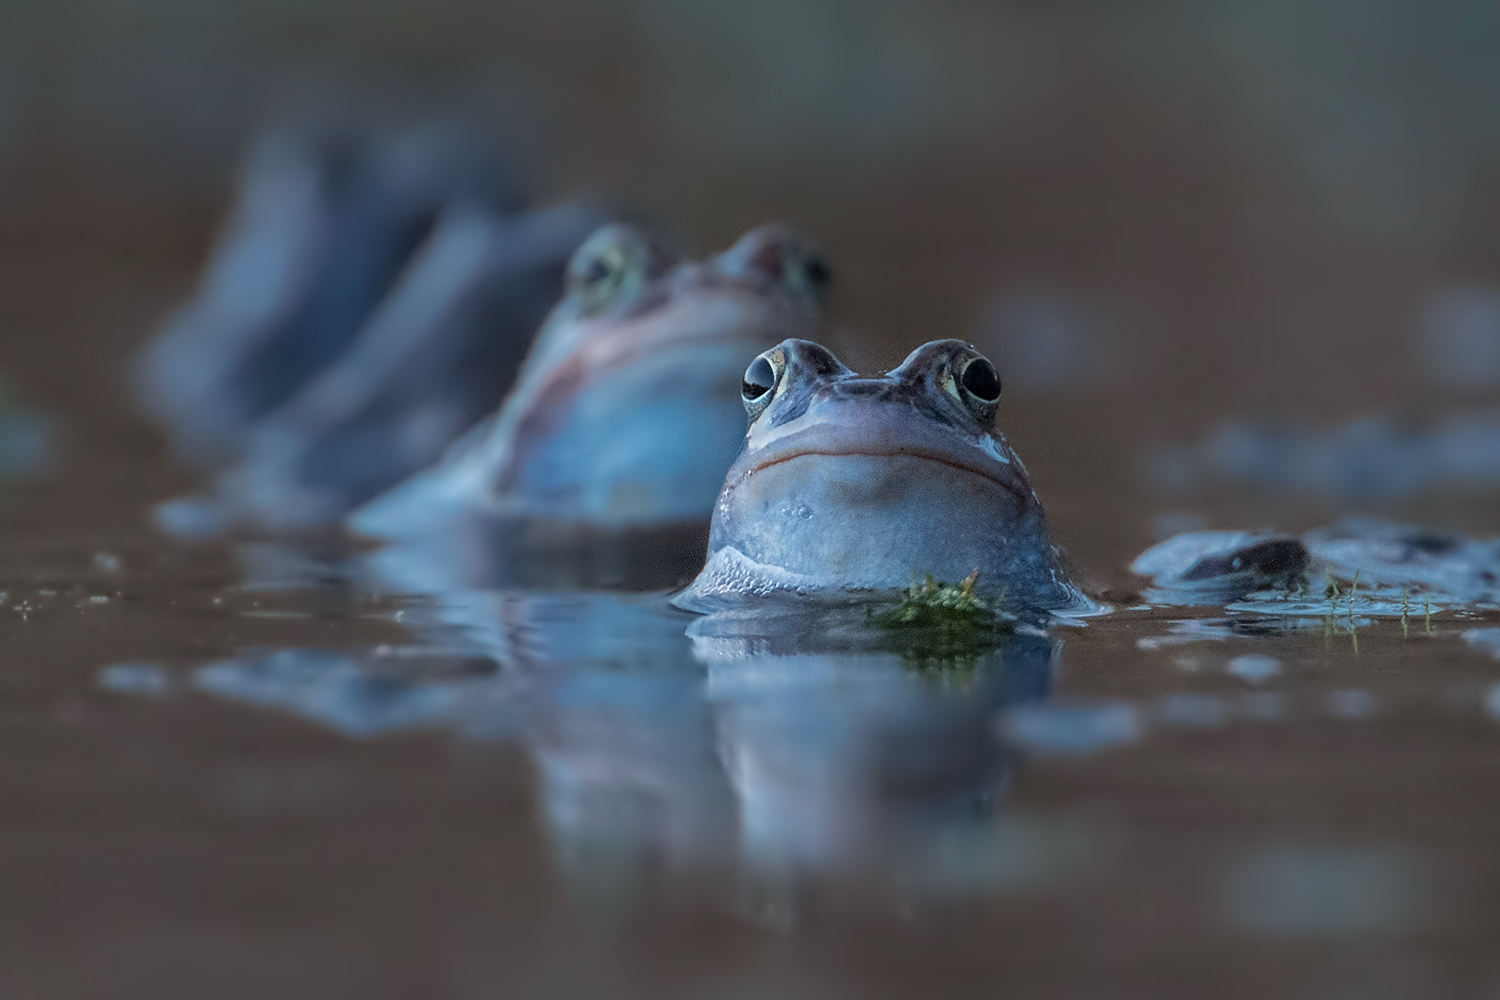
[{"x": 877, "y": 521}]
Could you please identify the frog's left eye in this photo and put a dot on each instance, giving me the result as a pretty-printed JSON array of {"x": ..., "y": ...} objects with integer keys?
[
  {"x": 806, "y": 270},
  {"x": 612, "y": 265},
  {"x": 778, "y": 254},
  {"x": 760, "y": 382},
  {"x": 977, "y": 385}
]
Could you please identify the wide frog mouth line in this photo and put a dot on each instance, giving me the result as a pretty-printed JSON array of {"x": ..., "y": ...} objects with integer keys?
[{"x": 899, "y": 451}]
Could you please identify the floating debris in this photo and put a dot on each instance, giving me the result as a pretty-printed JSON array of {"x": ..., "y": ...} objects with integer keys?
[{"x": 942, "y": 625}]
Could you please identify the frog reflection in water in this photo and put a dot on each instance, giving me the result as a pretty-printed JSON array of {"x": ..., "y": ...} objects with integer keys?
[
  {"x": 626, "y": 413},
  {"x": 867, "y": 484},
  {"x": 658, "y": 751}
]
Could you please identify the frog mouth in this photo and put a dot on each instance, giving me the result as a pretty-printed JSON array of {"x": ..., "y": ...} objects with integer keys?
[{"x": 918, "y": 452}]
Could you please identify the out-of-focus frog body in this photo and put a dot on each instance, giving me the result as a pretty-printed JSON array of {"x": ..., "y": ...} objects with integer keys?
[{"x": 626, "y": 414}]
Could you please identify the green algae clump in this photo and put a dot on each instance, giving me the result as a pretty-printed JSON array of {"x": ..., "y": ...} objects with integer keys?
[{"x": 943, "y": 626}]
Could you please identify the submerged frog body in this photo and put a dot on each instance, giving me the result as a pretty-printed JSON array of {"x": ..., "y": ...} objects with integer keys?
[
  {"x": 1387, "y": 567},
  {"x": 626, "y": 413},
  {"x": 1216, "y": 567},
  {"x": 848, "y": 483}
]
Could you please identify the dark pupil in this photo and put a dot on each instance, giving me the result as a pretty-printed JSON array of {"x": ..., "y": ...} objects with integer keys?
[
  {"x": 818, "y": 273},
  {"x": 760, "y": 378},
  {"x": 981, "y": 381},
  {"x": 597, "y": 271}
]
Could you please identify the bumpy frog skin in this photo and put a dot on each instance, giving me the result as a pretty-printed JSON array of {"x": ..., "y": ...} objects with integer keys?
[
  {"x": 627, "y": 411},
  {"x": 867, "y": 484}
]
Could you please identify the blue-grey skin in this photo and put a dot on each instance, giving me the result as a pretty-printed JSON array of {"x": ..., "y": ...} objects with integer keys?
[
  {"x": 852, "y": 484},
  {"x": 431, "y": 360},
  {"x": 326, "y": 220},
  {"x": 1216, "y": 567},
  {"x": 626, "y": 413}
]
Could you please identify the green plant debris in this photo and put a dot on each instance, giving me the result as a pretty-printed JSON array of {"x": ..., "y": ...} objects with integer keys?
[{"x": 944, "y": 626}]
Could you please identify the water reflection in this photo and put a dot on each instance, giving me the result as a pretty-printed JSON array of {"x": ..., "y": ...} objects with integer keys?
[
  {"x": 480, "y": 553},
  {"x": 788, "y": 746},
  {"x": 1303, "y": 891}
]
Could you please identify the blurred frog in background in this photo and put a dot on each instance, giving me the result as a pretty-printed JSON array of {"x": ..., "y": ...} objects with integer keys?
[
  {"x": 627, "y": 412},
  {"x": 371, "y": 298}
]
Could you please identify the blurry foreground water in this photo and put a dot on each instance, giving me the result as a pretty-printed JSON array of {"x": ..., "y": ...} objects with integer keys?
[{"x": 589, "y": 793}]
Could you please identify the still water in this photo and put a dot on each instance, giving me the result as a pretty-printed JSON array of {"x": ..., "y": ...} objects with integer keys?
[
  {"x": 241, "y": 769},
  {"x": 253, "y": 768}
]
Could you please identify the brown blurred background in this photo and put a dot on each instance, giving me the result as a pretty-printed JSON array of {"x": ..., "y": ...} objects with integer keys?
[{"x": 1226, "y": 207}]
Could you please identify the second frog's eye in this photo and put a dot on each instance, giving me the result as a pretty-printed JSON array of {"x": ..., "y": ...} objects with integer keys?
[
  {"x": 977, "y": 385},
  {"x": 610, "y": 267},
  {"x": 761, "y": 379},
  {"x": 806, "y": 270}
]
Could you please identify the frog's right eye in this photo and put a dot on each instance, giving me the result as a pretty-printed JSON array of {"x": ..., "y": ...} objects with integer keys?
[
  {"x": 761, "y": 380},
  {"x": 611, "y": 266}
]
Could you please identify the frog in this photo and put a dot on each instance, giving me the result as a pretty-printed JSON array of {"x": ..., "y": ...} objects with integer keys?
[
  {"x": 1392, "y": 568},
  {"x": 434, "y": 357},
  {"x": 853, "y": 485},
  {"x": 626, "y": 413},
  {"x": 327, "y": 219}
]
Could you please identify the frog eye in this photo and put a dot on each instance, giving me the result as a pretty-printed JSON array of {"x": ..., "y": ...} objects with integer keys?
[
  {"x": 611, "y": 266},
  {"x": 806, "y": 270},
  {"x": 780, "y": 254},
  {"x": 977, "y": 386},
  {"x": 761, "y": 380}
]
